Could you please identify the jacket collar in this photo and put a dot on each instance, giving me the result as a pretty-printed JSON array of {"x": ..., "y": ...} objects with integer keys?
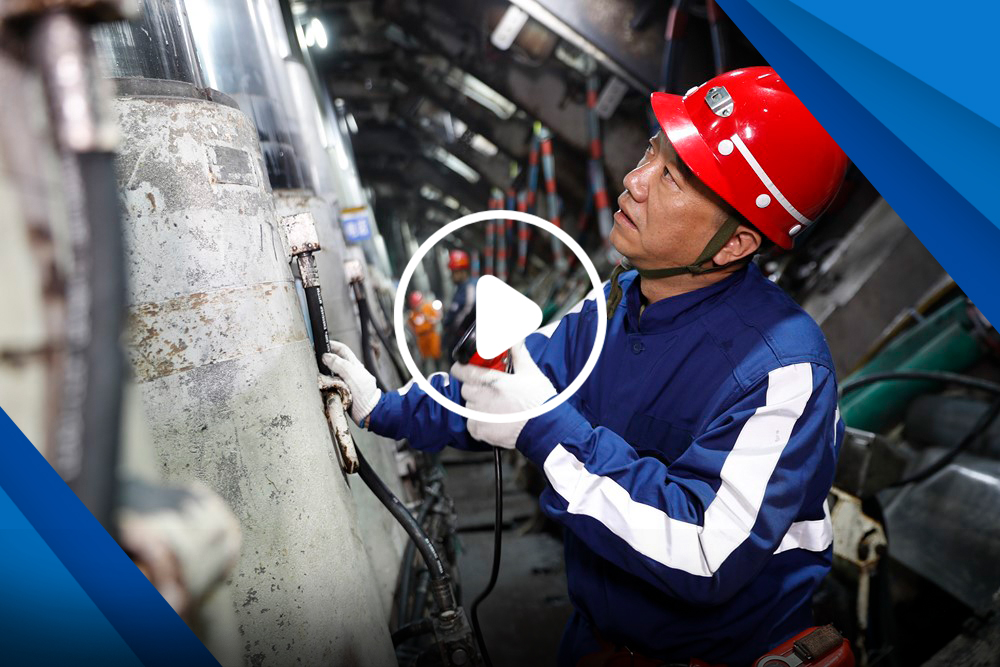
[{"x": 679, "y": 310}]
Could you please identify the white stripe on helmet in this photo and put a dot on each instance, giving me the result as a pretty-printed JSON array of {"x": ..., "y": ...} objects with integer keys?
[{"x": 768, "y": 183}]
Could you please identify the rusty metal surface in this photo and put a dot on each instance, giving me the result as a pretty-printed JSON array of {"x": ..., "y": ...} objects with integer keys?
[
  {"x": 300, "y": 229},
  {"x": 159, "y": 334},
  {"x": 229, "y": 382},
  {"x": 34, "y": 259}
]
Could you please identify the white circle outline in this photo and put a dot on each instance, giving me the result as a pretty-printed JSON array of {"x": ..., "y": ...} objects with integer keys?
[{"x": 511, "y": 417}]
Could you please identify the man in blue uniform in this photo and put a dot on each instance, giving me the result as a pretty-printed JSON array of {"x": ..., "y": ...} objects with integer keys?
[
  {"x": 691, "y": 470},
  {"x": 459, "y": 316}
]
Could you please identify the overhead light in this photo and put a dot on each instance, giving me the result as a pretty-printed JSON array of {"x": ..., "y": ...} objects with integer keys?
[
  {"x": 456, "y": 165},
  {"x": 430, "y": 193},
  {"x": 352, "y": 124},
  {"x": 451, "y": 202},
  {"x": 475, "y": 89},
  {"x": 483, "y": 145},
  {"x": 315, "y": 34}
]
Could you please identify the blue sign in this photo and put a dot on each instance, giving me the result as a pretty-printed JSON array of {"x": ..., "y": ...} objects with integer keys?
[{"x": 354, "y": 223}]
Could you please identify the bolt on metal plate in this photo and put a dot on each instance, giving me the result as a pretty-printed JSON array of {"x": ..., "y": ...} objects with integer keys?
[{"x": 719, "y": 101}]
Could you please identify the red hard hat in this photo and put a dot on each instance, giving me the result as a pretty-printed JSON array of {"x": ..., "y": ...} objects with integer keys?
[
  {"x": 416, "y": 298},
  {"x": 458, "y": 259},
  {"x": 748, "y": 137}
]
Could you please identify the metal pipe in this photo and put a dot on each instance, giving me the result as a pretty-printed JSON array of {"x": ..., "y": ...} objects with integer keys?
[{"x": 88, "y": 431}]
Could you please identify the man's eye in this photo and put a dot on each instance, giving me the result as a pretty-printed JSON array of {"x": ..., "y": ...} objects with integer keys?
[{"x": 667, "y": 174}]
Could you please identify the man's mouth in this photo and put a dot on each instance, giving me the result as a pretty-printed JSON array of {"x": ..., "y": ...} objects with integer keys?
[{"x": 622, "y": 219}]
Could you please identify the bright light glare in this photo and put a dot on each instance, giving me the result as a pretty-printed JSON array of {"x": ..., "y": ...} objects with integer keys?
[
  {"x": 477, "y": 90},
  {"x": 451, "y": 203},
  {"x": 430, "y": 192},
  {"x": 456, "y": 165},
  {"x": 320, "y": 32},
  {"x": 437, "y": 305},
  {"x": 483, "y": 145}
]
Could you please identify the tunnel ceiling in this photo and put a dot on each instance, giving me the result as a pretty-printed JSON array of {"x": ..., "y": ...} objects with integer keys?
[{"x": 401, "y": 68}]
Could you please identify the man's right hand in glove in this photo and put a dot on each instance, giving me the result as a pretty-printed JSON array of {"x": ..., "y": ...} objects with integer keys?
[{"x": 365, "y": 393}]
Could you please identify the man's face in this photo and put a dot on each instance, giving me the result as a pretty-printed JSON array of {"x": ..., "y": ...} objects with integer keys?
[{"x": 666, "y": 215}]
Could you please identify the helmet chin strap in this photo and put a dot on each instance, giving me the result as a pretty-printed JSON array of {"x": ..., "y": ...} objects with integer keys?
[{"x": 715, "y": 244}]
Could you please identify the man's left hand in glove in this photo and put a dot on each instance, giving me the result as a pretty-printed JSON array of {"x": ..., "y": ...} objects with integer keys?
[{"x": 487, "y": 390}]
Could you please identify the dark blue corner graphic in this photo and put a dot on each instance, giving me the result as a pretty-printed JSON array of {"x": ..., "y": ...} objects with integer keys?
[
  {"x": 960, "y": 236},
  {"x": 70, "y": 594}
]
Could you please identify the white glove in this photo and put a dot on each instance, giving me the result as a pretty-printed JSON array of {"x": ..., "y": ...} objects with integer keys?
[
  {"x": 497, "y": 392},
  {"x": 365, "y": 393}
]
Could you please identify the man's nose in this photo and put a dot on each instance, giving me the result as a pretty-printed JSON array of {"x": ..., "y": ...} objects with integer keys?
[{"x": 636, "y": 182}]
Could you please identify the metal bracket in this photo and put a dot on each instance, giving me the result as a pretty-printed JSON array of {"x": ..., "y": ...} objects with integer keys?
[
  {"x": 300, "y": 230},
  {"x": 354, "y": 271},
  {"x": 719, "y": 101}
]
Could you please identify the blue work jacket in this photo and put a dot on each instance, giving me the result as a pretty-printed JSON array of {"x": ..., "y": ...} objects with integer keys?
[{"x": 691, "y": 470}]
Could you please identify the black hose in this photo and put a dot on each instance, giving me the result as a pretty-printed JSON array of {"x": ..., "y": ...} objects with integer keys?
[
  {"x": 95, "y": 367},
  {"x": 495, "y": 569},
  {"x": 407, "y": 632},
  {"x": 983, "y": 423},
  {"x": 317, "y": 323},
  {"x": 366, "y": 338},
  {"x": 390, "y": 350},
  {"x": 423, "y": 543},
  {"x": 407, "y": 567},
  {"x": 365, "y": 311},
  {"x": 932, "y": 376}
]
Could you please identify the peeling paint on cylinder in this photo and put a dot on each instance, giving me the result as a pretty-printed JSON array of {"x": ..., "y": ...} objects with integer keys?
[
  {"x": 384, "y": 539},
  {"x": 228, "y": 380}
]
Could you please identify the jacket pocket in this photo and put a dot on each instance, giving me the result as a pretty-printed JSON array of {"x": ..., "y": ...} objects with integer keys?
[{"x": 658, "y": 438}]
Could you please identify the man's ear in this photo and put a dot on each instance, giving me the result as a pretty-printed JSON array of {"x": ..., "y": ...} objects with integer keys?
[{"x": 743, "y": 243}]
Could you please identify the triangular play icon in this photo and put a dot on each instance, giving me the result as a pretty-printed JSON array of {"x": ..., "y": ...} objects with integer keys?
[{"x": 504, "y": 317}]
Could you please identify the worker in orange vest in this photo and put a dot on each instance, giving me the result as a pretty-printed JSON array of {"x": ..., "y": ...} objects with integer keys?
[{"x": 424, "y": 320}]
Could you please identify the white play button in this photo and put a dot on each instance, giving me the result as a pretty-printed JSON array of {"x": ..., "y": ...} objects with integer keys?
[{"x": 504, "y": 317}]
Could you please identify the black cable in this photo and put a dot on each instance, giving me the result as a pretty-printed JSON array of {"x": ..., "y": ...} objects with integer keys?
[
  {"x": 495, "y": 569},
  {"x": 365, "y": 317},
  {"x": 423, "y": 543},
  {"x": 389, "y": 349},
  {"x": 983, "y": 423},
  {"x": 411, "y": 630},
  {"x": 99, "y": 365},
  {"x": 317, "y": 323},
  {"x": 407, "y": 566},
  {"x": 933, "y": 376}
]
